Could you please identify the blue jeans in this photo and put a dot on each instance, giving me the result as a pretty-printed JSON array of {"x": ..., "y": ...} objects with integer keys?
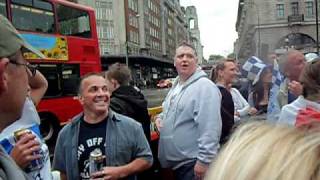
[{"x": 185, "y": 172}]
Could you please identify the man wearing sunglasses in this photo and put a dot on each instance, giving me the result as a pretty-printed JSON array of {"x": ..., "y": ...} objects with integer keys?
[
  {"x": 17, "y": 76},
  {"x": 30, "y": 148}
]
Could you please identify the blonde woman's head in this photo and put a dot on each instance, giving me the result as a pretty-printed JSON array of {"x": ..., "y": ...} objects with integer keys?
[
  {"x": 225, "y": 71},
  {"x": 261, "y": 151}
]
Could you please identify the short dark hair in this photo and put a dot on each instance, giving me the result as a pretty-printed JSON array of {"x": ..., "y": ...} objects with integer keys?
[
  {"x": 87, "y": 76},
  {"x": 310, "y": 78},
  {"x": 220, "y": 66},
  {"x": 119, "y": 72},
  {"x": 186, "y": 44}
]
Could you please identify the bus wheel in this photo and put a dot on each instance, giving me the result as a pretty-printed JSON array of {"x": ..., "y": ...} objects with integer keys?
[{"x": 49, "y": 128}]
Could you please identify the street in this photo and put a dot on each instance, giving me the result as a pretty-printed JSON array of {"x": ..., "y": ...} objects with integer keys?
[{"x": 155, "y": 97}]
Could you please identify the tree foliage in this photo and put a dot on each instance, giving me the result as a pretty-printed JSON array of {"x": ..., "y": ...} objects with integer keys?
[
  {"x": 215, "y": 57},
  {"x": 231, "y": 55}
]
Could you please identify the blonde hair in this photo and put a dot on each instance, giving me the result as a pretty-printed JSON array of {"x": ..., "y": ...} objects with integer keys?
[
  {"x": 260, "y": 151},
  {"x": 214, "y": 75}
]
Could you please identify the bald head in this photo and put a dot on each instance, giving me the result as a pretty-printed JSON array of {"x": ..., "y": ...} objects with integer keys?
[{"x": 293, "y": 63}]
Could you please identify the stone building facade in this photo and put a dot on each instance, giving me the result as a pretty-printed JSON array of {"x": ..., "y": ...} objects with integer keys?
[
  {"x": 144, "y": 34},
  {"x": 275, "y": 26},
  {"x": 192, "y": 20},
  {"x": 149, "y": 27}
]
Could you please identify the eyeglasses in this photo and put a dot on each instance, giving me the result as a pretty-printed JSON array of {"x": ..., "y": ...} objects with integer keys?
[{"x": 32, "y": 68}]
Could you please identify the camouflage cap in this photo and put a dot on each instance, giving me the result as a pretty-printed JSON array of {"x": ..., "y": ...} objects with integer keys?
[{"x": 11, "y": 41}]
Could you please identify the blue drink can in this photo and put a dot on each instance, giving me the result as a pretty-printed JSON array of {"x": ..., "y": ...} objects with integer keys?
[{"x": 35, "y": 164}]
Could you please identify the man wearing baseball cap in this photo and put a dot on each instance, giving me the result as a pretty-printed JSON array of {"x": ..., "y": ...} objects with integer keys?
[{"x": 14, "y": 74}]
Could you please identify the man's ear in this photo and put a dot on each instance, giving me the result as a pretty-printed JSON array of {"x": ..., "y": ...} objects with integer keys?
[
  {"x": 3, "y": 75},
  {"x": 115, "y": 83},
  {"x": 80, "y": 99}
]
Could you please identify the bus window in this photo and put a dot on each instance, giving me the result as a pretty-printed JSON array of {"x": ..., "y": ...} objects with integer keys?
[
  {"x": 70, "y": 79},
  {"x": 3, "y": 10},
  {"x": 40, "y": 4},
  {"x": 74, "y": 22},
  {"x": 32, "y": 15},
  {"x": 63, "y": 79},
  {"x": 52, "y": 72}
]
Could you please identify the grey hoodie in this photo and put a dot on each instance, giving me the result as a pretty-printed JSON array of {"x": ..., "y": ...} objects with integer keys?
[
  {"x": 8, "y": 168},
  {"x": 191, "y": 122}
]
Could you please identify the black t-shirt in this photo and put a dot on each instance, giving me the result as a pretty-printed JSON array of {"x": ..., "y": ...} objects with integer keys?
[
  {"x": 227, "y": 114},
  {"x": 91, "y": 137}
]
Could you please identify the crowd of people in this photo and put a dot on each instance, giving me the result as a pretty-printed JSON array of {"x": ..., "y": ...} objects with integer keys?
[{"x": 205, "y": 132}]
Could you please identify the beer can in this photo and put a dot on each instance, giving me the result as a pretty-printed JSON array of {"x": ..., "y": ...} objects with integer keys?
[
  {"x": 19, "y": 133},
  {"x": 35, "y": 164},
  {"x": 97, "y": 161}
]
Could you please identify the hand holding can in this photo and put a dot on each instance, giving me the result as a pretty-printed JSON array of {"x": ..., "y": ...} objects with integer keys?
[
  {"x": 26, "y": 152},
  {"x": 97, "y": 161}
]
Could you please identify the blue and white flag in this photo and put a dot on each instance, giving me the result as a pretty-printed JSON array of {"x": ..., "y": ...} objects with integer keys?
[
  {"x": 252, "y": 69},
  {"x": 273, "y": 105}
]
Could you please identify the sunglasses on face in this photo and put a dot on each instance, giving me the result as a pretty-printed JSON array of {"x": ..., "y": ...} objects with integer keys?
[{"x": 30, "y": 67}]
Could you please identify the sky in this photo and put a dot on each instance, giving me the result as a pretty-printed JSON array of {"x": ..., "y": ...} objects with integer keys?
[{"x": 216, "y": 20}]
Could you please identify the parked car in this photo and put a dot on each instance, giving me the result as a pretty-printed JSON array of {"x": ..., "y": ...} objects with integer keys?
[{"x": 165, "y": 83}]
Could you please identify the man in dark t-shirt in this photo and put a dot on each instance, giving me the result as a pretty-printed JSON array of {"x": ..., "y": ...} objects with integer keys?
[
  {"x": 89, "y": 142},
  {"x": 118, "y": 137}
]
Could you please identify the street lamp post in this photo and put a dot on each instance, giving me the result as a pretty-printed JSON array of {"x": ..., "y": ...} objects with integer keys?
[{"x": 127, "y": 54}]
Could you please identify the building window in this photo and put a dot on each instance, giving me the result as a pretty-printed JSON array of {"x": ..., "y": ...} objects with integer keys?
[
  {"x": 106, "y": 47},
  {"x": 295, "y": 8},
  {"x": 73, "y": 22},
  {"x": 149, "y": 4},
  {"x": 104, "y": 10},
  {"x": 280, "y": 11},
  {"x": 133, "y": 21},
  {"x": 109, "y": 13},
  {"x": 191, "y": 23},
  {"x": 109, "y": 32},
  {"x": 170, "y": 32},
  {"x": 105, "y": 50},
  {"x": 106, "y": 30},
  {"x": 134, "y": 37},
  {"x": 170, "y": 21},
  {"x": 309, "y": 8},
  {"x": 133, "y": 5},
  {"x": 130, "y": 4}
]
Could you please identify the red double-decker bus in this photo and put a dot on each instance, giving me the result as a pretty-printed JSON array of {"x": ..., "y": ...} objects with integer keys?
[{"x": 66, "y": 34}]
